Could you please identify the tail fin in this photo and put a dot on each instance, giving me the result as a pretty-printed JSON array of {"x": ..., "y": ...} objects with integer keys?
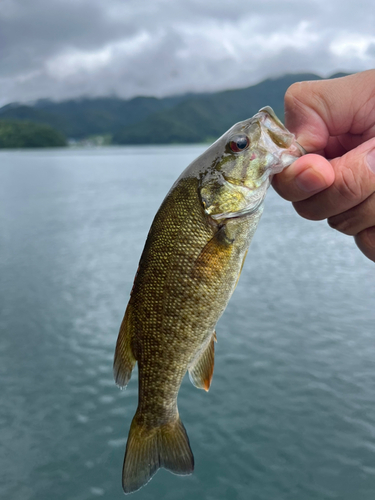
[{"x": 149, "y": 449}]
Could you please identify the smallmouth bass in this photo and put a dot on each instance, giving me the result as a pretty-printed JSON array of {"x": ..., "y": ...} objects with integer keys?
[{"x": 188, "y": 270}]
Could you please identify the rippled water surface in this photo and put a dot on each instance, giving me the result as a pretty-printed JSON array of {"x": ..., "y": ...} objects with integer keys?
[{"x": 291, "y": 410}]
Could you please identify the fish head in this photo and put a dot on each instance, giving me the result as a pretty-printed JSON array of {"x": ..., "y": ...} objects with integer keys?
[{"x": 246, "y": 158}]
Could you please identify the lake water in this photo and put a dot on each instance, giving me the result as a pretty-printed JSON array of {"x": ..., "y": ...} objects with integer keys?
[{"x": 291, "y": 410}]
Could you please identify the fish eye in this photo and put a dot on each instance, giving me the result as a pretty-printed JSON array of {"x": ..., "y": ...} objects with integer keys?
[{"x": 239, "y": 142}]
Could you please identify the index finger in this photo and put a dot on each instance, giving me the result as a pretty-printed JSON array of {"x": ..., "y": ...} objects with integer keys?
[{"x": 318, "y": 110}]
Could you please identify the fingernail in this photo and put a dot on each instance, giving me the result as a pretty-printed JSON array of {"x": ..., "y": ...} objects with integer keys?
[
  {"x": 371, "y": 160},
  {"x": 310, "y": 181}
]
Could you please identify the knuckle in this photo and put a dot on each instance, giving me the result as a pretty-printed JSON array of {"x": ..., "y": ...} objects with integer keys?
[
  {"x": 365, "y": 241},
  {"x": 366, "y": 238},
  {"x": 342, "y": 224},
  {"x": 292, "y": 91},
  {"x": 297, "y": 92},
  {"x": 348, "y": 185}
]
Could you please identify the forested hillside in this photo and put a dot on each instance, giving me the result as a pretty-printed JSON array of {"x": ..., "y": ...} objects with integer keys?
[
  {"x": 147, "y": 120},
  {"x": 23, "y": 134}
]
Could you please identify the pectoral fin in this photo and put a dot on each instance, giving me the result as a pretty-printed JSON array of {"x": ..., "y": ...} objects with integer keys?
[
  {"x": 239, "y": 274},
  {"x": 124, "y": 358},
  {"x": 202, "y": 368},
  {"x": 213, "y": 256}
]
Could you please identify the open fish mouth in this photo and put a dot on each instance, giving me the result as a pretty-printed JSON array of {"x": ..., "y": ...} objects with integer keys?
[{"x": 278, "y": 141}]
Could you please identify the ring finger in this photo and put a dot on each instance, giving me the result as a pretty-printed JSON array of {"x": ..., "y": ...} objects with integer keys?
[{"x": 356, "y": 219}]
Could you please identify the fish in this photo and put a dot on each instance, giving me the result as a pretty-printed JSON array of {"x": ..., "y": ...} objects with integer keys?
[{"x": 189, "y": 268}]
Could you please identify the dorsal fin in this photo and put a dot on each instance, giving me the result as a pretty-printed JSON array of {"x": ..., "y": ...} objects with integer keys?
[{"x": 202, "y": 368}]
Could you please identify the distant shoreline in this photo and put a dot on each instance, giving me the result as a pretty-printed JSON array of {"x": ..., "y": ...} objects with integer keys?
[{"x": 184, "y": 119}]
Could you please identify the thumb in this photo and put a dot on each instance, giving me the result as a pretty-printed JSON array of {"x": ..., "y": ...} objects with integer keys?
[
  {"x": 354, "y": 181},
  {"x": 344, "y": 182},
  {"x": 305, "y": 177}
]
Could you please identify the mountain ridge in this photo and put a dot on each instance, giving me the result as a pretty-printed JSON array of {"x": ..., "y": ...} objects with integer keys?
[{"x": 185, "y": 118}]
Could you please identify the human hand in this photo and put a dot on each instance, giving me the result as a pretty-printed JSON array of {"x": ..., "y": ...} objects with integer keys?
[{"x": 334, "y": 120}]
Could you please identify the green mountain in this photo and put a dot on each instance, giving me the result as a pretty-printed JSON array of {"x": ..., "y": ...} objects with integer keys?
[
  {"x": 203, "y": 118},
  {"x": 147, "y": 120},
  {"x": 85, "y": 117},
  {"x": 23, "y": 134}
]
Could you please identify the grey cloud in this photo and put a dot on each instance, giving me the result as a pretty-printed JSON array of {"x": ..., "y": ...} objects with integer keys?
[{"x": 69, "y": 48}]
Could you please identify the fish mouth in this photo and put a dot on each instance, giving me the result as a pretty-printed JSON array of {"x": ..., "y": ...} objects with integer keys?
[
  {"x": 272, "y": 115},
  {"x": 267, "y": 110},
  {"x": 278, "y": 141},
  {"x": 240, "y": 190}
]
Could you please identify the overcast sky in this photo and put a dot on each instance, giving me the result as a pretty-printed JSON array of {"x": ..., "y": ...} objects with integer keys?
[{"x": 69, "y": 48}]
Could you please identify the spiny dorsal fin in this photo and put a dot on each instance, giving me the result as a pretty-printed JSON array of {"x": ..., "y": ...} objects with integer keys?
[
  {"x": 202, "y": 368},
  {"x": 124, "y": 358}
]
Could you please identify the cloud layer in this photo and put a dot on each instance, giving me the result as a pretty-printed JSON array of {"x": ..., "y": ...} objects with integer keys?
[{"x": 69, "y": 48}]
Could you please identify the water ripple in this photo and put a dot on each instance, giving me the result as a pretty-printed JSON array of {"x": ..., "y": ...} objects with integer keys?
[{"x": 291, "y": 410}]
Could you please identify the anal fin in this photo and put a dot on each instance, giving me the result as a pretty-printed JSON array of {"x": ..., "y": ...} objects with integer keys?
[
  {"x": 202, "y": 368},
  {"x": 124, "y": 361}
]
